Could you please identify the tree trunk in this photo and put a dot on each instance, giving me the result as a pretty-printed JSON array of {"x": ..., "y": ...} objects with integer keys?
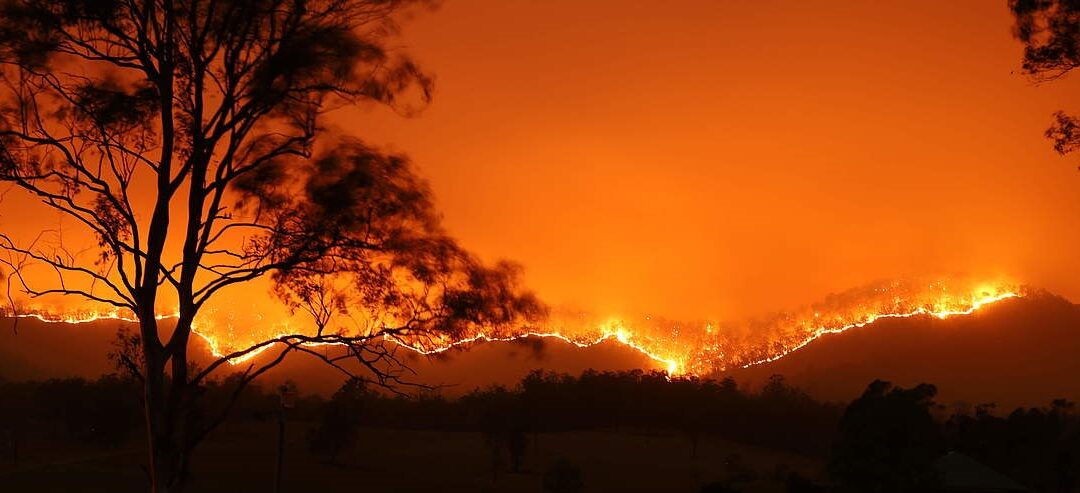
[
  {"x": 167, "y": 451},
  {"x": 279, "y": 463},
  {"x": 157, "y": 427}
]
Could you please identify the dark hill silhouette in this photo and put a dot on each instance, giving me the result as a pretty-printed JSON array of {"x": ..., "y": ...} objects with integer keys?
[
  {"x": 39, "y": 350},
  {"x": 1016, "y": 352},
  {"x": 464, "y": 369}
]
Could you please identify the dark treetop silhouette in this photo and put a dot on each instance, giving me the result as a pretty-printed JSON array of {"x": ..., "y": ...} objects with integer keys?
[
  {"x": 122, "y": 115},
  {"x": 1050, "y": 31},
  {"x": 891, "y": 438}
]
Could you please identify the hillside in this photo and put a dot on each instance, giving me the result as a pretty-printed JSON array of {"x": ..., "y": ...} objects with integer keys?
[
  {"x": 37, "y": 350},
  {"x": 1016, "y": 352}
]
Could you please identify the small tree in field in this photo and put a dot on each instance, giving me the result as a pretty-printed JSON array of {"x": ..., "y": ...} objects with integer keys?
[
  {"x": 338, "y": 425},
  {"x": 1050, "y": 31},
  {"x": 185, "y": 137}
]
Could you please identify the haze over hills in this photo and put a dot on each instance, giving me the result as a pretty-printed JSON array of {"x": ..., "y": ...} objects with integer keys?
[{"x": 1015, "y": 352}]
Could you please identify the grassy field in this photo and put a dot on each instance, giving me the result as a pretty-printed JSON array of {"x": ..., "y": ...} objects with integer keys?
[{"x": 241, "y": 459}]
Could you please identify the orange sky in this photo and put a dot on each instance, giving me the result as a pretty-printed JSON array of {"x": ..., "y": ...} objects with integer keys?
[
  {"x": 716, "y": 161},
  {"x": 709, "y": 160},
  {"x": 713, "y": 159}
]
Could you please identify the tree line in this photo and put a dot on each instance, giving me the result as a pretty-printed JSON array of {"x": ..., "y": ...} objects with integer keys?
[{"x": 886, "y": 440}]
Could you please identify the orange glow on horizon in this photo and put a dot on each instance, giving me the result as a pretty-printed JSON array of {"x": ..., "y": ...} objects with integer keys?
[{"x": 678, "y": 352}]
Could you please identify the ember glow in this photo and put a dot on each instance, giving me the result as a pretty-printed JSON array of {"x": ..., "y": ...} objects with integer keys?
[{"x": 698, "y": 348}]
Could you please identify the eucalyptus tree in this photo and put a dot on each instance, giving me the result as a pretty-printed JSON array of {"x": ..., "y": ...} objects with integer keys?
[{"x": 187, "y": 138}]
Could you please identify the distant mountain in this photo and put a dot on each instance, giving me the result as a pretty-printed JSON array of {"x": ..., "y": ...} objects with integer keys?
[
  {"x": 39, "y": 350},
  {"x": 31, "y": 349},
  {"x": 1023, "y": 351}
]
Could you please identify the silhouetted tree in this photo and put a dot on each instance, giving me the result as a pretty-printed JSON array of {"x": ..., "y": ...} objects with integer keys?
[
  {"x": 501, "y": 417},
  {"x": 16, "y": 410},
  {"x": 1035, "y": 446},
  {"x": 100, "y": 413},
  {"x": 110, "y": 410},
  {"x": 888, "y": 441},
  {"x": 338, "y": 426},
  {"x": 694, "y": 410},
  {"x": 186, "y": 137},
  {"x": 1050, "y": 31},
  {"x": 563, "y": 477}
]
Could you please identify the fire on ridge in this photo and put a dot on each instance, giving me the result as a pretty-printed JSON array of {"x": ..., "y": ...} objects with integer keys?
[{"x": 679, "y": 348}]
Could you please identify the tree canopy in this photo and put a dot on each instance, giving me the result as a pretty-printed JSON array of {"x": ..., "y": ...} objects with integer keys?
[
  {"x": 187, "y": 139},
  {"x": 1050, "y": 31}
]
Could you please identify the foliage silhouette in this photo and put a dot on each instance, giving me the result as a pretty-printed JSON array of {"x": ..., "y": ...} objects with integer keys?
[
  {"x": 1050, "y": 32},
  {"x": 186, "y": 139},
  {"x": 888, "y": 441}
]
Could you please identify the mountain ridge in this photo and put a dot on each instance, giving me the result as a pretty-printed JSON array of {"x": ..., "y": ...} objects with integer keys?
[{"x": 1015, "y": 352}]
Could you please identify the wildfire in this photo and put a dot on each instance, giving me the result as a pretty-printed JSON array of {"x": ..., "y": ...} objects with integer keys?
[
  {"x": 693, "y": 349},
  {"x": 612, "y": 331},
  {"x": 871, "y": 318}
]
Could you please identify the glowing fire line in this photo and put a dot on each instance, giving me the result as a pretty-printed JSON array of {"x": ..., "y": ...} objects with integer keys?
[
  {"x": 620, "y": 335},
  {"x": 614, "y": 331},
  {"x": 943, "y": 314}
]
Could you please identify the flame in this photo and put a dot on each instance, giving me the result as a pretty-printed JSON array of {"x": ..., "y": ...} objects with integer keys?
[
  {"x": 611, "y": 331},
  {"x": 679, "y": 349},
  {"x": 871, "y": 318}
]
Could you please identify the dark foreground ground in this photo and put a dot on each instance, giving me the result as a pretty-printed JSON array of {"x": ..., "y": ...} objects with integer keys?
[{"x": 241, "y": 459}]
